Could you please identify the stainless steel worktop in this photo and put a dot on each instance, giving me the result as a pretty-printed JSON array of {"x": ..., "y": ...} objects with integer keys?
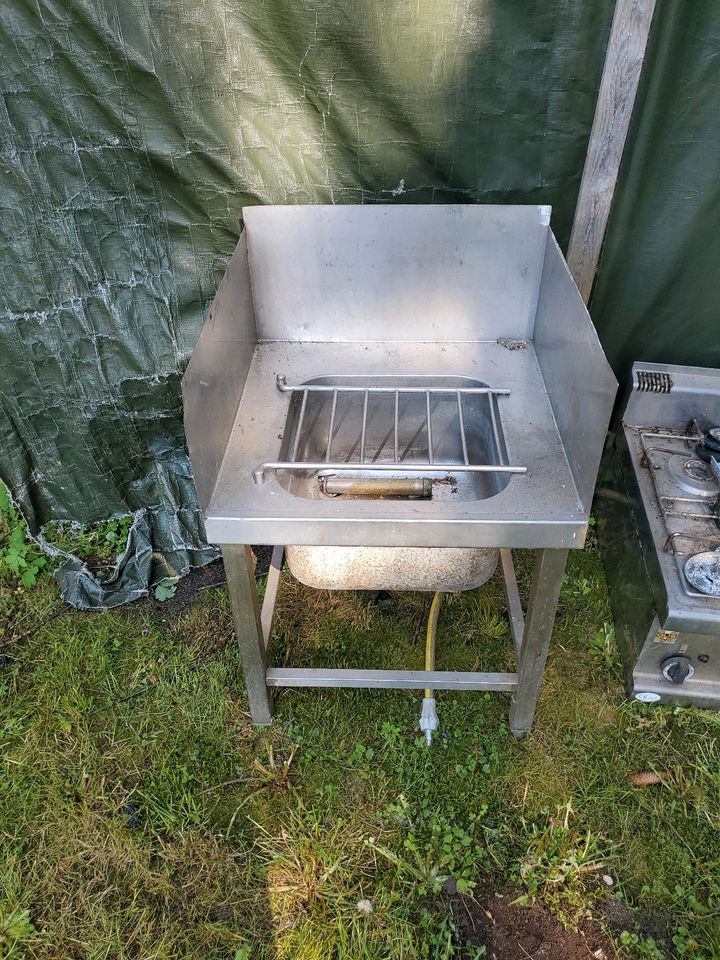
[{"x": 537, "y": 509}]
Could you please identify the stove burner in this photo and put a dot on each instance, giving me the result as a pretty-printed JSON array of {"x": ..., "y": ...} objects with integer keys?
[
  {"x": 710, "y": 445},
  {"x": 702, "y": 571},
  {"x": 693, "y": 476}
]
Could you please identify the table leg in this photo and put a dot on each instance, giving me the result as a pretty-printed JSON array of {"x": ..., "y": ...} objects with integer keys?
[
  {"x": 240, "y": 572},
  {"x": 549, "y": 570}
]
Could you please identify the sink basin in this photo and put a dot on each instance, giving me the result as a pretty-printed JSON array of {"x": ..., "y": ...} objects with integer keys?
[{"x": 380, "y": 444}]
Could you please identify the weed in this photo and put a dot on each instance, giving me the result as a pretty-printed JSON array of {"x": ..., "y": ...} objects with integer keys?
[
  {"x": 493, "y": 626},
  {"x": 685, "y": 943},
  {"x": 276, "y": 769},
  {"x": 165, "y": 589},
  {"x": 475, "y": 615},
  {"x": 434, "y": 848},
  {"x": 442, "y": 941},
  {"x": 100, "y": 545},
  {"x": 638, "y": 947},
  {"x": 559, "y": 861},
  {"x": 602, "y": 647},
  {"x": 391, "y": 733},
  {"x": 361, "y": 754},
  {"x": 576, "y": 588},
  {"x": 16, "y": 931},
  {"x": 19, "y": 556}
]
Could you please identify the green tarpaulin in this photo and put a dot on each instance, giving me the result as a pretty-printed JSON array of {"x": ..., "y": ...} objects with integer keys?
[{"x": 134, "y": 132}]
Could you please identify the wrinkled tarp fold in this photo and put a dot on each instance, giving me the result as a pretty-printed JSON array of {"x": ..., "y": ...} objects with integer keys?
[{"x": 128, "y": 581}]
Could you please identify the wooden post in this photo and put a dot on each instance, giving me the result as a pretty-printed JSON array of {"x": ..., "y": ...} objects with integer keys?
[{"x": 618, "y": 87}]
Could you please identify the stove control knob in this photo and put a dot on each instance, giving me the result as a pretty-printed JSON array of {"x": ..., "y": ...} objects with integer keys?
[{"x": 677, "y": 669}]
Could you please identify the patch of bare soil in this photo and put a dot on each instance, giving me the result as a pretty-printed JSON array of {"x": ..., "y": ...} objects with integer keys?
[
  {"x": 203, "y": 578},
  {"x": 188, "y": 588},
  {"x": 513, "y": 932},
  {"x": 618, "y": 916}
]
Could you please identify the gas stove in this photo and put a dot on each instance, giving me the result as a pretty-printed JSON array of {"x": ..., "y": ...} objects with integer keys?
[{"x": 660, "y": 500}]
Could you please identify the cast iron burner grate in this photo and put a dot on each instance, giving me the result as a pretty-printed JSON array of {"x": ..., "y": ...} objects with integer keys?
[{"x": 691, "y": 522}]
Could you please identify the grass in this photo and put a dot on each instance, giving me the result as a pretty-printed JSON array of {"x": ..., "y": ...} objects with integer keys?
[{"x": 141, "y": 816}]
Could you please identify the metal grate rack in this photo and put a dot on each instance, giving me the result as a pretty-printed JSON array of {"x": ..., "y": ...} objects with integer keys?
[{"x": 368, "y": 460}]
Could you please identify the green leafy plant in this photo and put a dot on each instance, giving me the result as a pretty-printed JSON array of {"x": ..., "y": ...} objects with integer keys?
[
  {"x": 602, "y": 646},
  {"x": 685, "y": 943},
  {"x": 640, "y": 948},
  {"x": 100, "y": 545},
  {"x": 390, "y": 733},
  {"x": 435, "y": 848},
  {"x": 16, "y": 930},
  {"x": 576, "y": 588},
  {"x": 361, "y": 754},
  {"x": 441, "y": 941},
  {"x": 165, "y": 589},
  {"x": 19, "y": 556}
]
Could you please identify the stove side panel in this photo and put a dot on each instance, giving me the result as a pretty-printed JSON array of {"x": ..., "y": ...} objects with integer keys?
[
  {"x": 694, "y": 394},
  {"x": 629, "y": 581}
]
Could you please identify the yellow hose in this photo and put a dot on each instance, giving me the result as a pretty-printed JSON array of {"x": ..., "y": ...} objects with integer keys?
[{"x": 430, "y": 636}]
